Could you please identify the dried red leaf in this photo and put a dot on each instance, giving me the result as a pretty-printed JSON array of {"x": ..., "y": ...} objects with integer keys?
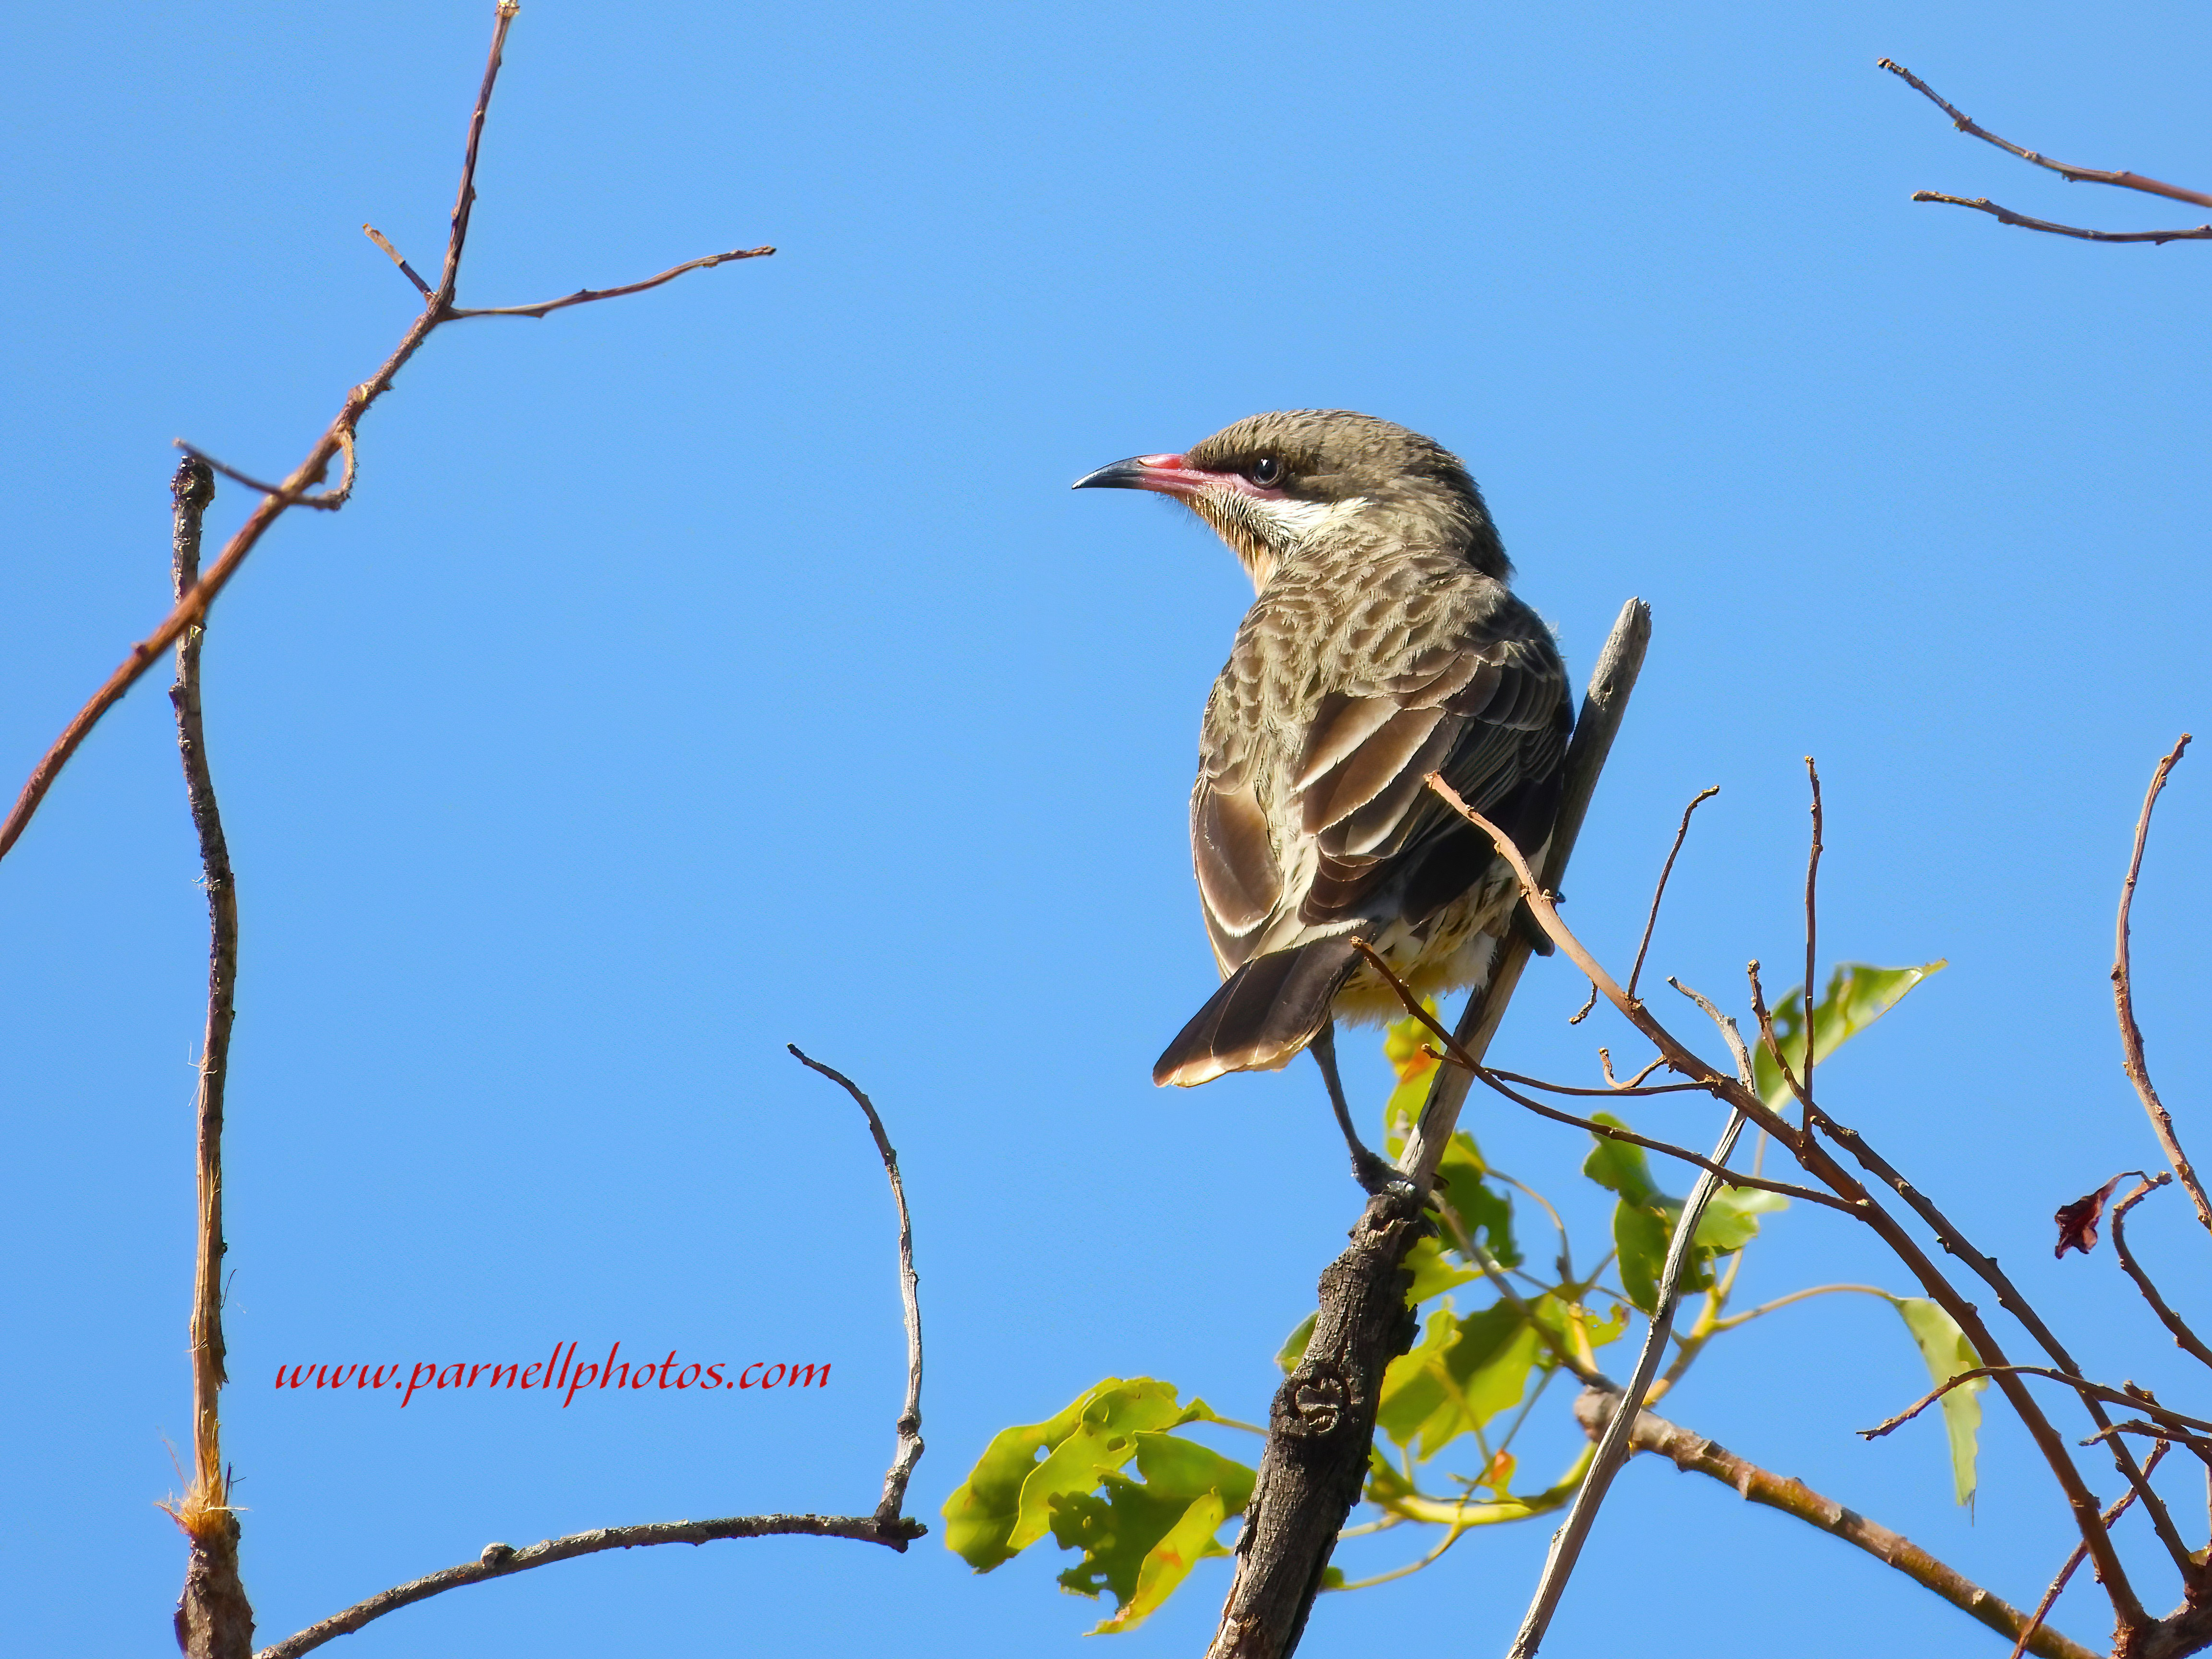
[{"x": 2078, "y": 1222}]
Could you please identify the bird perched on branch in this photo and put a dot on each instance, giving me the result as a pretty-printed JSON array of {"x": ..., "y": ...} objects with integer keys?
[{"x": 1384, "y": 645}]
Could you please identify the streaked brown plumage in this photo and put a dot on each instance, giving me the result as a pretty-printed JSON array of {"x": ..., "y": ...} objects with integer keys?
[{"x": 1383, "y": 645}]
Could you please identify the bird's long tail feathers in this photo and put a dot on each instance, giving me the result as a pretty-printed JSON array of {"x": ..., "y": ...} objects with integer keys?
[{"x": 1262, "y": 1015}]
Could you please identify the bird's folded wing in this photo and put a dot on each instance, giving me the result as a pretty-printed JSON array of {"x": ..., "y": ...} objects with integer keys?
[{"x": 1487, "y": 709}]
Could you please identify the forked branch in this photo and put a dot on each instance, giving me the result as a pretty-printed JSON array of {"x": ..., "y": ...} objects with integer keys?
[
  {"x": 297, "y": 488},
  {"x": 887, "y": 1526},
  {"x": 2070, "y": 174}
]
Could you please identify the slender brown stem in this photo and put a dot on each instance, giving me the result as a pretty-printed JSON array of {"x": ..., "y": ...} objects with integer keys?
[
  {"x": 2135, "y": 1398},
  {"x": 1822, "y": 1166},
  {"x": 337, "y": 440},
  {"x": 584, "y": 297},
  {"x": 214, "y": 1619},
  {"x": 499, "y": 1561},
  {"x": 1693, "y": 1454},
  {"x": 1659, "y": 892},
  {"x": 1812, "y": 929},
  {"x": 1627, "y": 1137},
  {"x": 2186, "y": 1338},
  {"x": 2071, "y": 175},
  {"x": 909, "y": 1452},
  {"x": 2005, "y": 215},
  {"x": 405, "y": 269},
  {"x": 2078, "y": 1555},
  {"x": 2123, "y": 1001}
]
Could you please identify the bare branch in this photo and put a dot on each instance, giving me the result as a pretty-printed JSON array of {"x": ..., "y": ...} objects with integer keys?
[
  {"x": 2184, "y": 1338},
  {"x": 405, "y": 269},
  {"x": 1613, "y": 1445},
  {"x": 214, "y": 1620},
  {"x": 886, "y": 1526},
  {"x": 1812, "y": 931},
  {"x": 584, "y": 297},
  {"x": 499, "y": 1561},
  {"x": 2076, "y": 1557},
  {"x": 909, "y": 1423},
  {"x": 1744, "y": 1073},
  {"x": 2005, "y": 215},
  {"x": 2071, "y": 175},
  {"x": 1659, "y": 892},
  {"x": 2110, "y": 1573},
  {"x": 336, "y": 439},
  {"x": 2123, "y": 1000},
  {"x": 2138, "y": 1398},
  {"x": 1628, "y": 1137},
  {"x": 1693, "y": 1453}
]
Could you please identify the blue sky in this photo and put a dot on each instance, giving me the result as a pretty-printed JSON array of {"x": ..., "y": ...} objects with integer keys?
[{"x": 729, "y": 666}]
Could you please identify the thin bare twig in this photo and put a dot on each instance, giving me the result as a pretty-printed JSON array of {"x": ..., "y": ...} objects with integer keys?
[
  {"x": 1812, "y": 931},
  {"x": 1612, "y": 1443},
  {"x": 887, "y": 1526},
  {"x": 584, "y": 297},
  {"x": 2005, "y": 215},
  {"x": 499, "y": 1561},
  {"x": 2139, "y": 1399},
  {"x": 405, "y": 269},
  {"x": 2184, "y": 1338},
  {"x": 2071, "y": 175},
  {"x": 1611, "y": 1091},
  {"x": 214, "y": 1620},
  {"x": 295, "y": 488},
  {"x": 1693, "y": 1453},
  {"x": 1817, "y": 1161},
  {"x": 2078, "y": 1554},
  {"x": 909, "y": 1423},
  {"x": 1629, "y": 1137},
  {"x": 2123, "y": 1001},
  {"x": 1659, "y": 892},
  {"x": 1744, "y": 1073},
  {"x": 1767, "y": 1040}
]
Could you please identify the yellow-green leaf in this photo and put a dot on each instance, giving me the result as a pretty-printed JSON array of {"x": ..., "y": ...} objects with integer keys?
[
  {"x": 1005, "y": 1503},
  {"x": 1946, "y": 1352},
  {"x": 1857, "y": 995}
]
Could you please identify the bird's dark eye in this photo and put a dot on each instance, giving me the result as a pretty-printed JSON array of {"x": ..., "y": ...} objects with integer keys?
[{"x": 1266, "y": 471}]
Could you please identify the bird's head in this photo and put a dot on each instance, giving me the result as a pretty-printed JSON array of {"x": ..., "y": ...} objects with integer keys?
[{"x": 1272, "y": 484}]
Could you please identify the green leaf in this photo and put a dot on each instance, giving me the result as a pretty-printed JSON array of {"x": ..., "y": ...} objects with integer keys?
[
  {"x": 1294, "y": 1346},
  {"x": 1619, "y": 1168},
  {"x": 1644, "y": 1221},
  {"x": 1433, "y": 1272},
  {"x": 1463, "y": 1373},
  {"x": 1857, "y": 995},
  {"x": 1946, "y": 1352},
  {"x": 1141, "y": 1540},
  {"x": 1005, "y": 1503},
  {"x": 1731, "y": 1217}
]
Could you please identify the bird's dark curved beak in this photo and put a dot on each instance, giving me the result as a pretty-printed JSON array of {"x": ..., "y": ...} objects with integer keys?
[
  {"x": 1168, "y": 475},
  {"x": 1138, "y": 472}
]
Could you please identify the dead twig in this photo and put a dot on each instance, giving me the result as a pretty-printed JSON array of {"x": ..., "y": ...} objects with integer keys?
[
  {"x": 2123, "y": 1002},
  {"x": 2072, "y": 175},
  {"x": 499, "y": 1561},
  {"x": 336, "y": 439},
  {"x": 1812, "y": 933},
  {"x": 584, "y": 297},
  {"x": 214, "y": 1619},
  {"x": 909, "y": 1423},
  {"x": 1817, "y": 1162},
  {"x": 1659, "y": 892},
  {"x": 2073, "y": 1560},
  {"x": 2184, "y": 1338}
]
